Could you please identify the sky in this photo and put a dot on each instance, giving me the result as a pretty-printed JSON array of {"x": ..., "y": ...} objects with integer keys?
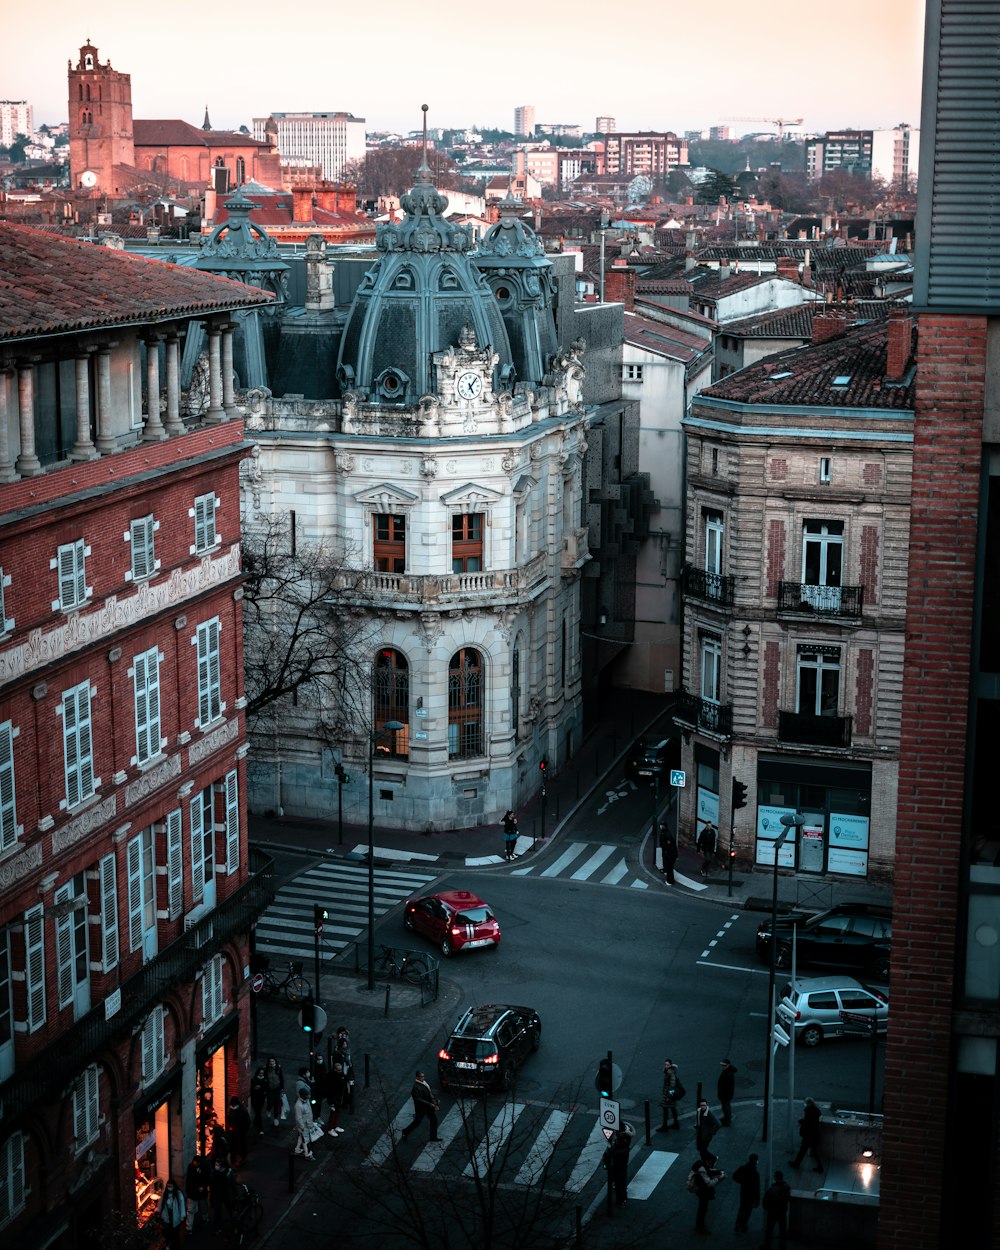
[{"x": 654, "y": 65}]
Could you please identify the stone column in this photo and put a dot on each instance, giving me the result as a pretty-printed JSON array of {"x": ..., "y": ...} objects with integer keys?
[
  {"x": 154, "y": 431},
  {"x": 28, "y": 464},
  {"x": 7, "y": 471},
  {"x": 215, "y": 412},
  {"x": 105, "y": 432},
  {"x": 228, "y": 394},
  {"x": 174, "y": 424},
  {"x": 83, "y": 448}
]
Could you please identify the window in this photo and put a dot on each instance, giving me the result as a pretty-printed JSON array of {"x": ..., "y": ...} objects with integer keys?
[
  {"x": 515, "y": 690},
  {"x": 205, "y": 537},
  {"x": 152, "y": 1045},
  {"x": 72, "y": 965},
  {"x": 34, "y": 966},
  {"x": 714, "y": 534},
  {"x": 78, "y": 744},
  {"x": 232, "y": 797},
  {"x": 6, "y": 622},
  {"x": 818, "y": 681},
  {"x": 391, "y": 700},
  {"x": 86, "y": 1108},
  {"x": 12, "y": 1186},
  {"x": 711, "y": 667},
  {"x": 175, "y": 864},
  {"x": 146, "y": 680},
  {"x": 141, "y": 537},
  {"x": 209, "y": 684},
  {"x": 390, "y": 543},
  {"x": 631, "y": 373},
  {"x": 202, "y": 843},
  {"x": 141, "y": 889},
  {"x": 71, "y": 566},
  {"x": 109, "y": 913},
  {"x": 824, "y": 468},
  {"x": 467, "y": 542},
  {"x": 211, "y": 991},
  {"x": 465, "y": 696},
  {"x": 8, "y": 805},
  {"x": 822, "y": 558}
]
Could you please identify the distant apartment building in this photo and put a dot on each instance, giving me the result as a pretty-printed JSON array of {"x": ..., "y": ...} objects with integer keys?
[
  {"x": 645, "y": 152},
  {"x": 604, "y": 125},
  {"x": 896, "y": 154},
  {"x": 559, "y": 130},
  {"x": 329, "y": 140},
  {"x": 524, "y": 120},
  {"x": 847, "y": 150},
  {"x": 721, "y": 134},
  {"x": 15, "y": 119}
]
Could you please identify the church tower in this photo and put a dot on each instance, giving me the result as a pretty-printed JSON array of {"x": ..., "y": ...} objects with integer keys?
[{"x": 100, "y": 122}]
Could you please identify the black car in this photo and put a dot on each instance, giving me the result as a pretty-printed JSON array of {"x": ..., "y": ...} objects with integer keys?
[
  {"x": 853, "y": 935},
  {"x": 487, "y": 1046},
  {"x": 652, "y": 756}
]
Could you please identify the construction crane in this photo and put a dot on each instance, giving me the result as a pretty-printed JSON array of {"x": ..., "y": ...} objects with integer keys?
[{"x": 780, "y": 122}]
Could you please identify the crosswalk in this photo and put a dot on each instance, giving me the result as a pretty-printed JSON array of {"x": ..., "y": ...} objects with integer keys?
[
  {"x": 286, "y": 928},
  {"x": 518, "y": 1143},
  {"x": 603, "y": 863}
]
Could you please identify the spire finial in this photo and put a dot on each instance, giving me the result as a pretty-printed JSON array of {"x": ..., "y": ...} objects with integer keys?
[{"x": 424, "y": 172}]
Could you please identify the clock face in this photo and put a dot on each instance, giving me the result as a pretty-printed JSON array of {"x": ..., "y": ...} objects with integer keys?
[{"x": 469, "y": 386}]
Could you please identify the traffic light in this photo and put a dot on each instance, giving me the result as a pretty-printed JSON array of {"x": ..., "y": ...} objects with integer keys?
[
  {"x": 308, "y": 1014},
  {"x": 342, "y": 777},
  {"x": 319, "y": 917},
  {"x": 739, "y": 794},
  {"x": 543, "y": 765},
  {"x": 605, "y": 1081}
]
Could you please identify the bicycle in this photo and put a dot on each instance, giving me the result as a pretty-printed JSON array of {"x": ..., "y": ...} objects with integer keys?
[
  {"x": 295, "y": 985},
  {"x": 247, "y": 1211},
  {"x": 411, "y": 967}
]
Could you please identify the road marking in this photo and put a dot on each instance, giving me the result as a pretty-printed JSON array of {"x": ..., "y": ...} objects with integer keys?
[
  {"x": 593, "y": 863},
  {"x": 383, "y": 1147},
  {"x": 640, "y": 885},
  {"x": 686, "y": 881},
  {"x": 711, "y": 963},
  {"x": 448, "y": 1130},
  {"x": 588, "y": 1161},
  {"x": 488, "y": 1150},
  {"x": 564, "y": 860},
  {"x": 533, "y": 1168},
  {"x": 616, "y": 873},
  {"x": 653, "y": 1170},
  {"x": 384, "y": 852}
]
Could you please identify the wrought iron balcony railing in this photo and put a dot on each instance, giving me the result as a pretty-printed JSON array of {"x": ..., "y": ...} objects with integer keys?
[
  {"x": 820, "y": 600},
  {"x": 818, "y": 731},
  {"x": 699, "y": 713},
  {"x": 48, "y": 1075},
  {"x": 710, "y": 587}
]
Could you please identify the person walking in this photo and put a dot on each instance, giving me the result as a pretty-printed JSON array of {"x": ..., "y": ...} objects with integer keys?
[
  {"x": 509, "y": 823},
  {"x": 748, "y": 1179},
  {"x": 238, "y": 1131},
  {"x": 276, "y": 1101},
  {"x": 668, "y": 853},
  {"x": 425, "y": 1107},
  {"x": 701, "y": 1182},
  {"x": 222, "y": 1193},
  {"x": 173, "y": 1215},
  {"x": 809, "y": 1132},
  {"x": 777, "y": 1198},
  {"x": 726, "y": 1089},
  {"x": 342, "y": 1055},
  {"x": 707, "y": 842},
  {"x": 673, "y": 1092},
  {"x": 304, "y": 1125},
  {"x": 705, "y": 1128},
  {"x": 336, "y": 1096},
  {"x": 616, "y": 1161},
  {"x": 258, "y": 1098},
  {"x": 196, "y": 1182}
]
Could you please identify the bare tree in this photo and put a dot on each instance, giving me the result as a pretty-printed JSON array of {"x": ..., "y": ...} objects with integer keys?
[{"x": 392, "y": 171}]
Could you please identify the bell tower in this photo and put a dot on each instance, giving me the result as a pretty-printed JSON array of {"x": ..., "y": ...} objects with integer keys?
[{"x": 100, "y": 122}]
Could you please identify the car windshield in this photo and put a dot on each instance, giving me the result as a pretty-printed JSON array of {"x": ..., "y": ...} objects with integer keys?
[{"x": 473, "y": 915}]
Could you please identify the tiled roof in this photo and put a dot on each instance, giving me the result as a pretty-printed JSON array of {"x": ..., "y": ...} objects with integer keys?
[
  {"x": 666, "y": 340},
  {"x": 806, "y": 375},
  {"x": 663, "y": 286},
  {"x": 172, "y": 132},
  {"x": 50, "y": 285}
]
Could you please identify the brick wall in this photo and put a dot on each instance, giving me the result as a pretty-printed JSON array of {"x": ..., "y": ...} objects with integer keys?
[
  {"x": 864, "y": 693},
  {"x": 775, "y": 556},
  {"x": 772, "y": 685},
  {"x": 869, "y": 563}
]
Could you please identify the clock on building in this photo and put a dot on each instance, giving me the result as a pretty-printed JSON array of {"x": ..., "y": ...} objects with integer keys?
[
  {"x": 88, "y": 178},
  {"x": 469, "y": 385}
]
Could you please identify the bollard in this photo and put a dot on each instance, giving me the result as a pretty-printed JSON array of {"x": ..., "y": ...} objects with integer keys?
[
  {"x": 367, "y": 1070},
  {"x": 649, "y": 1131},
  {"x": 291, "y": 1172},
  {"x": 387, "y": 988}
]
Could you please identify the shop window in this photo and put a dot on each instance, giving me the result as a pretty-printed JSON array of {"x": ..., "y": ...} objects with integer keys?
[
  {"x": 153, "y": 1052},
  {"x": 391, "y": 700},
  {"x": 13, "y": 1189},
  {"x": 467, "y": 542},
  {"x": 210, "y": 705},
  {"x": 152, "y": 1157},
  {"x": 390, "y": 543},
  {"x": 818, "y": 680},
  {"x": 211, "y": 991},
  {"x": 146, "y": 689},
  {"x": 212, "y": 1099},
  {"x": 465, "y": 700},
  {"x": 8, "y": 805},
  {"x": 86, "y": 1108},
  {"x": 78, "y": 754}
]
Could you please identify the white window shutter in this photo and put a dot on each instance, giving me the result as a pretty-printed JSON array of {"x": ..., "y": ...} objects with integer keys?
[
  {"x": 34, "y": 965},
  {"x": 217, "y": 987},
  {"x": 197, "y": 848},
  {"x": 158, "y": 1047},
  {"x": 175, "y": 864},
  {"x": 64, "y": 949},
  {"x": 135, "y": 894},
  {"x": 148, "y": 1071},
  {"x": 109, "y": 913},
  {"x": 232, "y": 822},
  {"x": 8, "y": 807},
  {"x": 140, "y": 684},
  {"x": 81, "y": 571},
  {"x": 12, "y": 1175},
  {"x": 66, "y": 566}
]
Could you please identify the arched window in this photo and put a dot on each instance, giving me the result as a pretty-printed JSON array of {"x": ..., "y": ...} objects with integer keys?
[
  {"x": 391, "y": 701},
  {"x": 465, "y": 704},
  {"x": 241, "y": 171}
]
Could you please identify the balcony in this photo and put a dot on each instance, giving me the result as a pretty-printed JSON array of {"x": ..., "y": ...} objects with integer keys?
[
  {"x": 816, "y": 731},
  {"x": 696, "y": 713},
  {"x": 803, "y": 600},
  {"x": 47, "y": 1076},
  {"x": 446, "y": 588},
  {"x": 709, "y": 587}
]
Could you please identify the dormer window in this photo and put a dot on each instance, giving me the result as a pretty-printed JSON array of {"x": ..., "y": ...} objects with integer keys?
[{"x": 391, "y": 386}]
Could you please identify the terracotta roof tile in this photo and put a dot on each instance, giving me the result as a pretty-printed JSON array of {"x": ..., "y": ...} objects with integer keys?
[{"x": 157, "y": 132}]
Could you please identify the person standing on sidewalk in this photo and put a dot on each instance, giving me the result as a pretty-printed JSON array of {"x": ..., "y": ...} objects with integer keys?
[
  {"x": 707, "y": 842},
  {"x": 701, "y": 1182},
  {"x": 509, "y": 823},
  {"x": 258, "y": 1098},
  {"x": 748, "y": 1179},
  {"x": 616, "y": 1161},
  {"x": 304, "y": 1125},
  {"x": 275, "y": 1090},
  {"x": 809, "y": 1131},
  {"x": 668, "y": 853},
  {"x": 673, "y": 1092},
  {"x": 705, "y": 1128},
  {"x": 726, "y": 1090},
  {"x": 777, "y": 1199},
  {"x": 199, "y": 1174},
  {"x": 173, "y": 1215},
  {"x": 336, "y": 1096},
  {"x": 425, "y": 1107}
]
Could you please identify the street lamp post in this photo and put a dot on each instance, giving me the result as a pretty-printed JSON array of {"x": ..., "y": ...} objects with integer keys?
[{"x": 390, "y": 726}]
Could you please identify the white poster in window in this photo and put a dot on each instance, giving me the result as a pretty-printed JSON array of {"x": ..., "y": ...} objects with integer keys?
[
  {"x": 769, "y": 828},
  {"x": 848, "y": 852},
  {"x": 708, "y": 808}
]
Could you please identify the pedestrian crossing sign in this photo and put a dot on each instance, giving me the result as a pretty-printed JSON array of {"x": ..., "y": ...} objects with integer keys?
[{"x": 678, "y": 777}]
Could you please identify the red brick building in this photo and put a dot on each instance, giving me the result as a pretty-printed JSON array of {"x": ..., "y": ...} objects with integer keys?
[{"x": 128, "y": 890}]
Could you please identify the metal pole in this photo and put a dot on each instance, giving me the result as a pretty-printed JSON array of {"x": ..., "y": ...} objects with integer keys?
[
  {"x": 871, "y": 1084},
  {"x": 732, "y": 841},
  {"x": 544, "y": 801},
  {"x": 768, "y": 1070},
  {"x": 371, "y": 861},
  {"x": 318, "y": 930},
  {"x": 340, "y": 810}
]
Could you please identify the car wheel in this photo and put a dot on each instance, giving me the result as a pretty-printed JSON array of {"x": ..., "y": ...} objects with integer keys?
[
  {"x": 811, "y": 1035},
  {"x": 783, "y": 957},
  {"x": 446, "y": 948},
  {"x": 408, "y": 922},
  {"x": 880, "y": 967},
  {"x": 536, "y": 1037}
]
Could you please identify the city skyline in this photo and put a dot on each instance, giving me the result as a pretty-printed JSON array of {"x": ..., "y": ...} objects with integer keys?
[{"x": 859, "y": 71}]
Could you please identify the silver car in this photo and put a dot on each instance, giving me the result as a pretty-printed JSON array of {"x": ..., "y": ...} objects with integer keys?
[{"x": 835, "y": 1007}]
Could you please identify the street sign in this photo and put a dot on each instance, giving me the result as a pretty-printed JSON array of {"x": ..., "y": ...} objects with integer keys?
[
  {"x": 857, "y": 1017},
  {"x": 785, "y": 1011},
  {"x": 780, "y": 1036},
  {"x": 678, "y": 777},
  {"x": 257, "y": 984},
  {"x": 610, "y": 1117}
]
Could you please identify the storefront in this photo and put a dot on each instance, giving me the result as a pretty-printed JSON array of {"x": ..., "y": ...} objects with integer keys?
[
  {"x": 152, "y": 1146},
  {"x": 706, "y": 771},
  {"x": 216, "y": 1059},
  {"x": 835, "y": 801}
]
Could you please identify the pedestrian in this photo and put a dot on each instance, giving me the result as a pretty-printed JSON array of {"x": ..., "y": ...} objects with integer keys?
[
  {"x": 277, "y": 1101},
  {"x": 668, "y": 853},
  {"x": 220, "y": 1143},
  {"x": 707, "y": 842},
  {"x": 777, "y": 1198},
  {"x": 726, "y": 1089},
  {"x": 196, "y": 1181},
  {"x": 238, "y": 1131},
  {"x": 336, "y": 1096},
  {"x": 616, "y": 1161},
  {"x": 509, "y": 823},
  {"x": 304, "y": 1125},
  {"x": 701, "y": 1182},
  {"x": 425, "y": 1106},
  {"x": 173, "y": 1215},
  {"x": 221, "y": 1192},
  {"x": 304, "y": 1082},
  {"x": 342, "y": 1054},
  {"x": 705, "y": 1128},
  {"x": 258, "y": 1097},
  {"x": 809, "y": 1132},
  {"x": 748, "y": 1179},
  {"x": 673, "y": 1092}
]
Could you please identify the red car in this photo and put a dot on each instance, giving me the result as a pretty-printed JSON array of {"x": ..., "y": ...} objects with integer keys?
[{"x": 456, "y": 920}]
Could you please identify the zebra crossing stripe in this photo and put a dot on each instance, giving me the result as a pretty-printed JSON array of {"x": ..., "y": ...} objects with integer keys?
[
  {"x": 593, "y": 863},
  {"x": 654, "y": 1169},
  {"x": 533, "y": 1168},
  {"x": 498, "y": 1132},
  {"x": 448, "y": 1130},
  {"x": 383, "y": 1147},
  {"x": 616, "y": 873},
  {"x": 564, "y": 860},
  {"x": 588, "y": 1161}
]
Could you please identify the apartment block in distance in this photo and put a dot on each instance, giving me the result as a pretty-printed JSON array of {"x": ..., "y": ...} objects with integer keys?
[
  {"x": 15, "y": 119},
  {"x": 644, "y": 153},
  {"x": 329, "y": 140},
  {"x": 524, "y": 121},
  {"x": 128, "y": 893}
]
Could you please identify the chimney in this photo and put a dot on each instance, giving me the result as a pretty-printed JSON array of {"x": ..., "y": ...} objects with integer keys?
[
  {"x": 900, "y": 344},
  {"x": 619, "y": 286},
  {"x": 302, "y": 204},
  {"x": 724, "y": 270},
  {"x": 319, "y": 276},
  {"x": 828, "y": 325},
  {"x": 871, "y": 228}
]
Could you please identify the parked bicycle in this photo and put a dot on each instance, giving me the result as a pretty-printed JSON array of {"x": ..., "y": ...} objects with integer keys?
[
  {"x": 247, "y": 1210},
  {"x": 295, "y": 985},
  {"x": 411, "y": 967}
]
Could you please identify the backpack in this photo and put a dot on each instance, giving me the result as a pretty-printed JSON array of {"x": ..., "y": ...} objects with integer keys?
[{"x": 694, "y": 1182}]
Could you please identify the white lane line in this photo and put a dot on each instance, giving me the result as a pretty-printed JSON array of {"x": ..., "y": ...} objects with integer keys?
[
  {"x": 389, "y": 852},
  {"x": 588, "y": 1161},
  {"x": 564, "y": 860},
  {"x": 538, "y": 1157},
  {"x": 711, "y": 963},
  {"x": 593, "y": 863},
  {"x": 485, "y": 1157},
  {"x": 616, "y": 873},
  {"x": 654, "y": 1169}
]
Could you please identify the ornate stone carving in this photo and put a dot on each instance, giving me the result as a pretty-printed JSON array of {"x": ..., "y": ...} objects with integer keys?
[
  {"x": 156, "y": 777},
  {"x": 75, "y": 830},
  {"x": 252, "y": 474},
  {"x": 432, "y": 628},
  {"x": 18, "y": 866},
  {"x": 345, "y": 463},
  {"x": 509, "y": 463},
  {"x": 428, "y": 467},
  {"x": 505, "y": 618},
  {"x": 212, "y": 742}
]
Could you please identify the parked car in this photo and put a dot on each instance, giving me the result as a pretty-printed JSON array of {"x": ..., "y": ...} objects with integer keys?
[
  {"x": 454, "y": 920},
  {"x": 487, "y": 1046},
  {"x": 853, "y": 935},
  {"x": 819, "y": 1002},
  {"x": 652, "y": 756}
]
